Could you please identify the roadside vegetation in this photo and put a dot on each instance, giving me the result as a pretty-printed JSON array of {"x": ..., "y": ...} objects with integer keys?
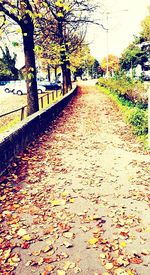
[{"x": 132, "y": 99}]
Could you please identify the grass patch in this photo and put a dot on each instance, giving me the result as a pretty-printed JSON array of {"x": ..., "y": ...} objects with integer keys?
[
  {"x": 9, "y": 124},
  {"x": 134, "y": 115},
  {"x": 11, "y": 120}
]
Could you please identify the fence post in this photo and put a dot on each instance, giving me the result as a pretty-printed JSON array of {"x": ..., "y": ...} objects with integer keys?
[
  {"x": 22, "y": 113},
  {"x": 42, "y": 102},
  {"x": 53, "y": 95},
  {"x": 47, "y": 98}
]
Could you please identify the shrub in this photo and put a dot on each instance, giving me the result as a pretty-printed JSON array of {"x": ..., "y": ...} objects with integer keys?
[
  {"x": 139, "y": 120},
  {"x": 132, "y": 99},
  {"x": 132, "y": 90}
]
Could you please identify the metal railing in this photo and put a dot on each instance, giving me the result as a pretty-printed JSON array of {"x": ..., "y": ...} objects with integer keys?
[{"x": 50, "y": 97}]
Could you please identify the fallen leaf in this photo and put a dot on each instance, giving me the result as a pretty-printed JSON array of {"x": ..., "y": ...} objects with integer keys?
[
  {"x": 93, "y": 241},
  {"x": 36, "y": 253},
  {"x": 72, "y": 200},
  {"x": 25, "y": 245},
  {"x": 102, "y": 256},
  {"x": 120, "y": 271},
  {"x": 61, "y": 272},
  {"x": 145, "y": 252},
  {"x": 122, "y": 244},
  {"x": 21, "y": 232},
  {"x": 26, "y": 237},
  {"x": 48, "y": 260},
  {"x": 15, "y": 258},
  {"x": 47, "y": 248},
  {"x": 58, "y": 202},
  {"x": 77, "y": 269},
  {"x": 108, "y": 266},
  {"x": 68, "y": 235},
  {"x": 136, "y": 260},
  {"x": 68, "y": 245},
  {"x": 49, "y": 268}
]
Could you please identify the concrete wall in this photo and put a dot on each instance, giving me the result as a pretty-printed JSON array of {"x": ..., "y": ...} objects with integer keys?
[{"x": 16, "y": 139}]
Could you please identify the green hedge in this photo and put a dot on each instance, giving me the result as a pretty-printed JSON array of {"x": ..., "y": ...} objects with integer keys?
[
  {"x": 131, "y": 90},
  {"x": 135, "y": 110}
]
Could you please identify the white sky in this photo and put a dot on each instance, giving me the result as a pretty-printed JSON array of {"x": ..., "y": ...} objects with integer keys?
[{"x": 122, "y": 26}]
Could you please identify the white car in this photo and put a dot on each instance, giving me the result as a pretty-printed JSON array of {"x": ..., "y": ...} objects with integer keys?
[
  {"x": 9, "y": 87},
  {"x": 19, "y": 88}
]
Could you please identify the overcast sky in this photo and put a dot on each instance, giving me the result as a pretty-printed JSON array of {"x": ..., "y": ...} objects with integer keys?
[{"x": 122, "y": 26}]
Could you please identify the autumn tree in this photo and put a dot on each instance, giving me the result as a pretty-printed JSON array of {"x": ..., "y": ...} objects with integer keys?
[
  {"x": 81, "y": 61},
  {"x": 145, "y": 24},
  {"x": 64, "y": 20},
  {"x": 21, "y": 12},
  {"x": 113, "y": 64}
]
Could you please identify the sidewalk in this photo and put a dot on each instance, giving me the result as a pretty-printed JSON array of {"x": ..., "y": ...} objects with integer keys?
[{"x": 77, "y": 201}]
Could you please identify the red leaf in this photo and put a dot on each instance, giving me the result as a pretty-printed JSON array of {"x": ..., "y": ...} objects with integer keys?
[
  {"x": 25, "y": 245},
  {"x": 136, "y": 260}
]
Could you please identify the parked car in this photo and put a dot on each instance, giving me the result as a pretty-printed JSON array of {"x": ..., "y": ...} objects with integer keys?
[
  {"x": 10, "y": 86},
  {"x": 19, "y": 88},
  {"x": 3, "y": 82},
  {"x": 146, "y": 77},
  {"x": 50, "y": 85}
]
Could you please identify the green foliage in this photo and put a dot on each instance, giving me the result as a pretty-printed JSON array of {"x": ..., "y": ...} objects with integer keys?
[
  {"x": 139, "y": 120},
  {"x": 7, "y": 65},
  {"x": 134, "y": 113},
  {"x": 130, "y": 89},
  {"x": 132, "y": 56}
]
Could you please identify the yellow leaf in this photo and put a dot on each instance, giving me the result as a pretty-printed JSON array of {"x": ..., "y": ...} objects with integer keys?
[
  {"x": 147, "y": 230},
  {"x": 61, "y": 272},
  {"x": 21, "y": 232},
  {"x": 26, "y": 237},
  {"x": 16, "y": 205},
  {"x": 109, "y": 266},
  {"x": 93, "y": 241},
  {"x": 15, "y": 258},
  {"x": 123, "y": 244},
  {"x": 120, "y": 271},
  {"x": 72, "y": 200},
  {"x": 65, "y": 194},
  {"x": 130, "y": 272},
  {"x": 58, "y": 202}
]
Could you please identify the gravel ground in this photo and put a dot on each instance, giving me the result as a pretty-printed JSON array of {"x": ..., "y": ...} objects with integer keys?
[{"x": 77, "y": 200}]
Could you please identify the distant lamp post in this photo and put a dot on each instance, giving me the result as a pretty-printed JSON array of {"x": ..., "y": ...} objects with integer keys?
[{"x": 107, "y": 39}]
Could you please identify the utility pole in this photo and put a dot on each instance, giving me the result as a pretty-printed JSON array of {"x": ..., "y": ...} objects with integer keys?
[
  {"x": 107, "y": 39},
  {"x": 107, "y": 49}
]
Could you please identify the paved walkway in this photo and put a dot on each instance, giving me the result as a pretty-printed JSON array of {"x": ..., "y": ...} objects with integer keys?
[{"x": 77, "y": 200}]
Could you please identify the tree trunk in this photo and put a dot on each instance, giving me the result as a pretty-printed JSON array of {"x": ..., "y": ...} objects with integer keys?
[
  {"x": 64, "y": 78},
  {"x": 65, "y": 64},
  {"x": 30, "y": 67},
  {"x": 49, "y": 73},
  {"x": 55, "y": 72},
  {"x": 68, "y": 76}
]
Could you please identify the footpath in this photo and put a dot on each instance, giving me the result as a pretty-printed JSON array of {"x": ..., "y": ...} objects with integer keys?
[{"x": 77, "y": 200}]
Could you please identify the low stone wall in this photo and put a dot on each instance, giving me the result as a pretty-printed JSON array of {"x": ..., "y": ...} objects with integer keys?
[{"x": 16, "y": 139}]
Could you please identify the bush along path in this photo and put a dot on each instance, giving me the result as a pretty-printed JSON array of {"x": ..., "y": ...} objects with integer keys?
[{"x": 77, "y": 200}]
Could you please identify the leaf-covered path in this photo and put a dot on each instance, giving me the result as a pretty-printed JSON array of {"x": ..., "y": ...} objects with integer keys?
[{"x": 77, "y": 201}]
